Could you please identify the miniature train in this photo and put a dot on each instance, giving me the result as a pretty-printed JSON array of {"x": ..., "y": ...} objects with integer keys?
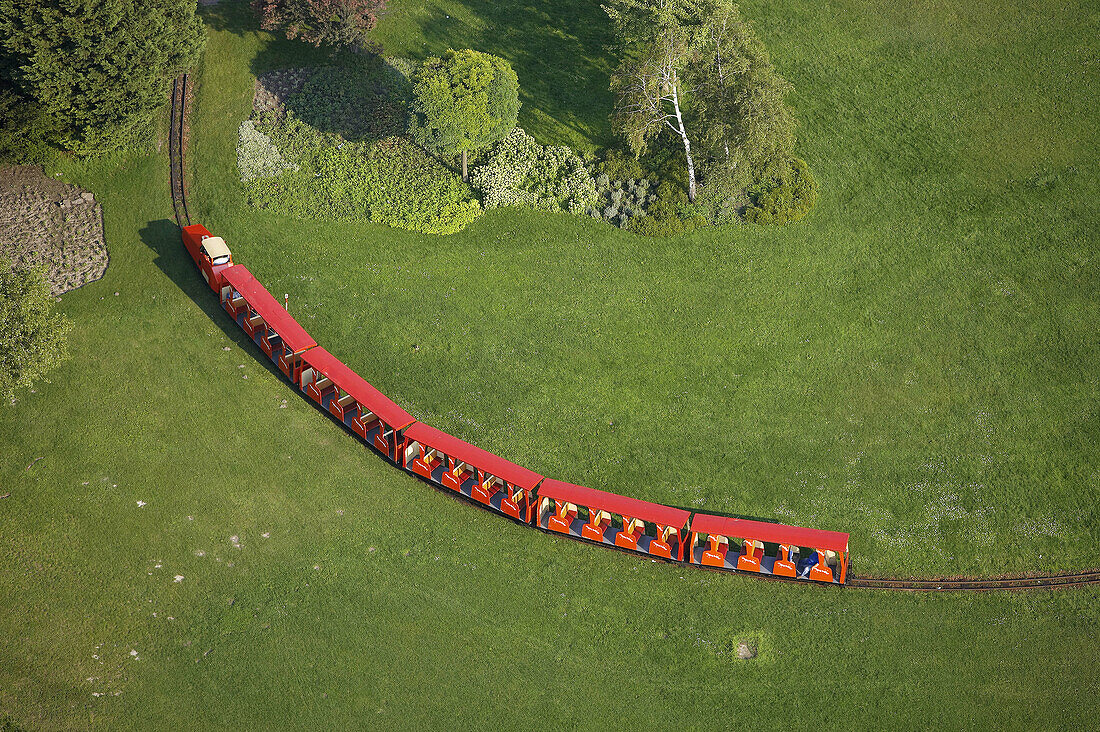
[{"x": 554, "y": 506}]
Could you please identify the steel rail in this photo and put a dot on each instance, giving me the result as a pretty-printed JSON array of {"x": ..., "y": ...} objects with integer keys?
[
  {"x": 952, "y": 584},
  {"x": 175, "y": 150}
]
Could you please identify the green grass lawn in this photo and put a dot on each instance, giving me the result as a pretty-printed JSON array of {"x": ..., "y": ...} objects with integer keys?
[{"x": 914, "y": 364}]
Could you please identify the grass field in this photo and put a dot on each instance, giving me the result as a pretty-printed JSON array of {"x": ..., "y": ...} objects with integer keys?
[{"x": 914, "y": 363}]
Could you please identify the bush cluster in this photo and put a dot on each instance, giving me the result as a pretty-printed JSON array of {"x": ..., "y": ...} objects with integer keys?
[
  {"x": 520, "y": 172},
  {"x": 619, "y": 202},
  {"x": 389, "y": 181},
  {"x": 788, "y": 197},
  {"x": 355, "y": 103},
  {"x": 257, "y": 156}
]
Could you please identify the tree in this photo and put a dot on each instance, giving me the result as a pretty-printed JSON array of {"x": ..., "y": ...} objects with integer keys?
[
  {"x": 744, "y": 121},
  {"x": 659, "y": 40},
  {"x": 32, "y": 341},
  {"x": 340, "y": 23},
  {"x": 98, "y": 71},
  {"x": 465, "y": 101}
]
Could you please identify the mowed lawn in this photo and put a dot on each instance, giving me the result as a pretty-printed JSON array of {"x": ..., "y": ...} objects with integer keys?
[
  {"x": 861, "y": 371},
  {"x": 915, "y": 363}
]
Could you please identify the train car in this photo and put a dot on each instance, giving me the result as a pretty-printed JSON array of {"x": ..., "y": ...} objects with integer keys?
[
  {"x": 470, "y": 471},
  {"x": 261, "y": 316},
  {"x": 347, "y": 396},
  {"x": 613, "y": 520},
  {"x": 756, "y": 546},
  {"x": 210, "y": 253},
  {"x": 587, "y": 514}
]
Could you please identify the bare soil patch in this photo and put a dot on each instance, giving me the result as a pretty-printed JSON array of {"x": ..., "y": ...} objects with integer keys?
[{"x": 45, "y": 222}]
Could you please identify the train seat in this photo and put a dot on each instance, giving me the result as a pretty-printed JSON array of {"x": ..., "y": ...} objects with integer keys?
[
  {"x": 633, "y": 530},
  {"x": 715, "y": 554},
  {"x": 509, "y": 504},
  {"x": 484, "y": 491},
  {"x": 749, "y": 561},
  {"x": 785, "y": 561},
  {"x": 815, "y": 567},
  {"x": 596, "y": 527},
  {"x": 563, "y": 517},
  {"x": 454, "y": 478}
]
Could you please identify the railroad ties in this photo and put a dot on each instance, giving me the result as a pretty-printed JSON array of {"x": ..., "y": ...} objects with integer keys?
[{"x": 175, "y": 150}]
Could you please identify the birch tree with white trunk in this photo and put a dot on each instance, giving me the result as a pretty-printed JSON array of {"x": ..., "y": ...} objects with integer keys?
[{"x": 658, "y": 41}]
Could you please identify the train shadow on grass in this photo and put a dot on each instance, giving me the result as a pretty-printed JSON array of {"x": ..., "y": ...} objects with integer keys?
[{"x": 163, "y": 238}]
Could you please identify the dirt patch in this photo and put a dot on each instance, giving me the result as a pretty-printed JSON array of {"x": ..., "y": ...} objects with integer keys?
[
  {"x": 44, "y": 222},
  {"x": 274, "y": 87}
]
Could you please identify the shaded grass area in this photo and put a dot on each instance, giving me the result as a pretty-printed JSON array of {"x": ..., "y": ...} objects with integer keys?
[
  {"x": 915, "y": 363},
  {"x": 376, "y": 601}
]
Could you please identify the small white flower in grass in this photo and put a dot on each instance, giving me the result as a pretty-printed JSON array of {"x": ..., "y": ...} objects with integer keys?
[
  {"x": 179, "y": 578},
  {"x": 141, "y": 504},
  {"x": 158, "y": 566},
  {"x": 200, "y": 553},
  {"x": 134, "y": 653},
  {"x": 266, "y": 535},
  {"x": 190, "y": 518}
]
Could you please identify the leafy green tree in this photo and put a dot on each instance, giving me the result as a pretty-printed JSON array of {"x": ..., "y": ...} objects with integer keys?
[
  {"x": 465, "y": 101},
  {"x": 97, "y": 71},
  {"x": 745, "y": 124},
  {"x": 340, "y": 23},
  {"x": 32, "y": 341},
  {"x": 658, "y": 40}
]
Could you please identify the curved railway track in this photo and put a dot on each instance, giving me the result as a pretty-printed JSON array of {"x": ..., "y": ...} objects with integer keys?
[
  {"x": 175, "y": 150},
  {"x": 955, "y": 584}
]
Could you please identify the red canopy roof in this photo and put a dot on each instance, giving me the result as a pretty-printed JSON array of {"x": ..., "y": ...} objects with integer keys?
[
  {"x": 465, "y": 452},
  {"x": 622, "y": 505},
  {"x": 355, "y": 385},
  {"x": 268, "y": 308},
  {"x": 774, "y": 533}
]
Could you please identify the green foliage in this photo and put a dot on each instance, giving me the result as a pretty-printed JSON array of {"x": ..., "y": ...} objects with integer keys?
[
  {"x": 620, "y": 202},
  {"x": 618, "y": 165},
  {"x": 338, "y": 23},
  {"x": 257, "y": 156},
  {"x": 788, "y": 197},
  {"x": 355, "y": 103},
  {"x": 389, "y": 181},
  {"x": 669, "y": 214},
  {"x": 520, "y": 172},
  {"x": 98, "y": 71},
  {"x": 25, "y": 130},
  {"x": 464, "y": 101},
  {"x": 32, "y": 340}
]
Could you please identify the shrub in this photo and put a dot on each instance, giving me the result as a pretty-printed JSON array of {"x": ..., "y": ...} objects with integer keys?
[
  {"x": 389, "y": 181},
  {"x": 340, "y": 23},
  {"x": 619, "y": 165},
  {"x": 32, "y": 339},
  {"x": 520, "y": 172},
  {"x": 257, "y": 156},
  {"x": 786, "y": 198},
  {"x": 357, "y": 104}
]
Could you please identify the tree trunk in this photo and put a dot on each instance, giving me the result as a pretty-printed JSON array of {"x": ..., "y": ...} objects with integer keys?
[
  {"x": 463, "y": 165},
  {"x": 687, "y": 142}
]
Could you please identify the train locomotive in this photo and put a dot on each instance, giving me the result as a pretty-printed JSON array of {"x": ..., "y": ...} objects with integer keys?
[{"x": 552, "y": 506}]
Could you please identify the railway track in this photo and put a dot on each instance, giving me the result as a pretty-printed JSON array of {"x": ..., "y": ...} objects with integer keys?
[
  {"x": 175, "y": 150},
  {"x": 980, "y": 584},
  {"x": 957, "y": 584}
]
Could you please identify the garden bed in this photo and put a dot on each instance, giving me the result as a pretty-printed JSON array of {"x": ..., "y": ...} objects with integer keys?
[{"x": 45, "y": 222}]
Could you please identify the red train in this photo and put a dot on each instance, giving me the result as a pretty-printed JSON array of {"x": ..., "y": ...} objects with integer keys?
[{"x": 586, "y": 514}]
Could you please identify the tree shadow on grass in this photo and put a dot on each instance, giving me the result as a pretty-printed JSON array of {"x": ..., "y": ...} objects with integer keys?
[{"x": 560, "y": 50}]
